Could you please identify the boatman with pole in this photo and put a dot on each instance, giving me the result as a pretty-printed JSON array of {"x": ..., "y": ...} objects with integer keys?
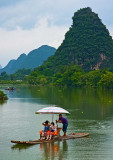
[{"x": 64, "y": 121}]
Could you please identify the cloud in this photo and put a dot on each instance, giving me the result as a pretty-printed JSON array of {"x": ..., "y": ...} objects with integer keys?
[
  {"x": 15, "y": 42},
  {"x": 28, "y": 24},
  {"x": 25, "y": 13}
]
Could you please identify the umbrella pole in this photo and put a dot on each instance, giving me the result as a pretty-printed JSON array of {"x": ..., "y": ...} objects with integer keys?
[{"x": 52, "y": 117}]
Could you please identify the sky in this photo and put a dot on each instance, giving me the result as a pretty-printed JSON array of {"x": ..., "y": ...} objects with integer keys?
[{"x": 27, "y": 24}]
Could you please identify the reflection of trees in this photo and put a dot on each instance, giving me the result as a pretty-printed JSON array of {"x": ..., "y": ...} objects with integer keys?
[
  {"x": 3, "y": 102},
  {"x": 20, "y": 147},
  {"x": 93, "y": 103},
  {"x": 82, "y": 103},
  {"x": 3, "y": 97},
  {"x": 54, "y": 149}
]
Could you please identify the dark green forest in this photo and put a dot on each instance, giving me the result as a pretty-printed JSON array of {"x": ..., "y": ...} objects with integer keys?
[
  {"x": 73, "y": 76},
  {"x": 19, "y": 76}
]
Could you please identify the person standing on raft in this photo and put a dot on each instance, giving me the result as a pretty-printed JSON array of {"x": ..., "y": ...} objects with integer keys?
[{"x": 64, "y": 121}]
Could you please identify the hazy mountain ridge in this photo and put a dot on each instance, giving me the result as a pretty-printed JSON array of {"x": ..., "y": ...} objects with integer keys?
[
  {"x": 0, "y": 66},
  {"x": 34, "y": 58}
]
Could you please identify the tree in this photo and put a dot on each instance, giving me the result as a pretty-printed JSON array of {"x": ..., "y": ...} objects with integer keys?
[{"x": 106, "y": 80}]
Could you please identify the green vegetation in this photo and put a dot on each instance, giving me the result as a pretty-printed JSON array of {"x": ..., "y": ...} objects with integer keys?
[
  {"x": 80, "y": 60},
  {"x": 3, "y": 96},
  {"x": 87, "y": 43},
  {"x": 12, "y": 82},
  {"x": 73, "y": 76},
  {"x": 19, "y": 76}
]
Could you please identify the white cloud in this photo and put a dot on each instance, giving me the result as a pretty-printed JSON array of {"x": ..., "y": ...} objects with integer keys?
[
  {"x": 25, "y": 13},
  {"x": 28, "y": 24},
  {"x": 15, "y": 42}
]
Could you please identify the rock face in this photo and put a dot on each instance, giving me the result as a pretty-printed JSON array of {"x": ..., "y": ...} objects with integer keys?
[
  {"x": 30, "y": 61},
  {"x": 87, "y": 43}
]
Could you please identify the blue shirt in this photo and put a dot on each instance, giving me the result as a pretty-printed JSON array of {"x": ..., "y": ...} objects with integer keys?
[{"x": 46, "y": 128}]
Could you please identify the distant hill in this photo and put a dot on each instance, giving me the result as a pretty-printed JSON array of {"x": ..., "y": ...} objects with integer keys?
[
  {"x": 0, "y": 66},
  {"x": 34, "y": 59},
  {"x": 87, "y": 43}
]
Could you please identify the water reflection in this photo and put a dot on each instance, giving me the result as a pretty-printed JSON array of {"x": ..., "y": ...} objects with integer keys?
[
  {"x": 20, "y": 147},
  {"x": 2, "y": 102},
  {"x": 82, "y": 103},
  {"x": 91, "y": 111},
  {"x": 47, "y": 150},
  {"x": 55, "y": 149}
]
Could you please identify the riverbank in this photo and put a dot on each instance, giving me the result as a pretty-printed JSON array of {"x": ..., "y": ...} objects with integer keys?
[{"x": 8, "y": 82}]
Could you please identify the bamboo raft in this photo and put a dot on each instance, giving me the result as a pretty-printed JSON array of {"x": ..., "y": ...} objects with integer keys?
[{"x": 60, "y": 138}]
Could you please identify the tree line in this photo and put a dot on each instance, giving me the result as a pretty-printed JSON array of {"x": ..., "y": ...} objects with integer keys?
[
  {"x": 72, "y": 76},
  {"x": 18, "y": 77}
]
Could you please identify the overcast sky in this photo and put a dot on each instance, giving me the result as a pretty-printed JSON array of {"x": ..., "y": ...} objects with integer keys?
[{"x": 28, "y": 24}]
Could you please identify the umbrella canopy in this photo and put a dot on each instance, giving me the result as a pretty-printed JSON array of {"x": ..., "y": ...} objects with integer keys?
[{"x": 52, "y": 110}]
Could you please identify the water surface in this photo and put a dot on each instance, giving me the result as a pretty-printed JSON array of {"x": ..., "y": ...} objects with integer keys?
[{"x": 91, "y": 111}]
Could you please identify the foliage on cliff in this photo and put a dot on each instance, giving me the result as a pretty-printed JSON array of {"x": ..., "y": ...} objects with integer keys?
[
  {"x": 81, "y": 58},
  {"x": 87, "y": 43}
]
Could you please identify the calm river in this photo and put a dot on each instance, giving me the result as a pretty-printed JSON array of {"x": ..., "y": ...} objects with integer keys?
[{"x": 91, "y": 112}]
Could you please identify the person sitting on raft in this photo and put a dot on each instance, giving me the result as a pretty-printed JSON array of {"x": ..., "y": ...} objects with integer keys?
[
  {"x": 44, "y": 132},
  {"x": 64, "y": 121},
  {"x": 52, "y": 131}
]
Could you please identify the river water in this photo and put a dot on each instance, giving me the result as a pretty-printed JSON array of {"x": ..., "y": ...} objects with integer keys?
[{"x": 91, "y": 112}]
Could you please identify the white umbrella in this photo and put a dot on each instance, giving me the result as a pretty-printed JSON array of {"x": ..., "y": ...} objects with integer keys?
[{"x": 52, "y": 110}]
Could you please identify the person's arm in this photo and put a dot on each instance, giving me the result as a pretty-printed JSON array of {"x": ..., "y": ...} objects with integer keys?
[
  {"x": 43, "y": 123},
  {"x": 58, "y": 121},
  {"x": 49, "y": 123},
  {"x": 55, "y": 128}
]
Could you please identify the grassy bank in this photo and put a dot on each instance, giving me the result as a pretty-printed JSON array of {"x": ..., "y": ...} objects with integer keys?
[{"x": 11, "y": 82}]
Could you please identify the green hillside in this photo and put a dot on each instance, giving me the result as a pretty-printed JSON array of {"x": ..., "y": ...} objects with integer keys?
[
  {"x": 87, "y": 47},
  {"x": 87, "y": 43}
]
